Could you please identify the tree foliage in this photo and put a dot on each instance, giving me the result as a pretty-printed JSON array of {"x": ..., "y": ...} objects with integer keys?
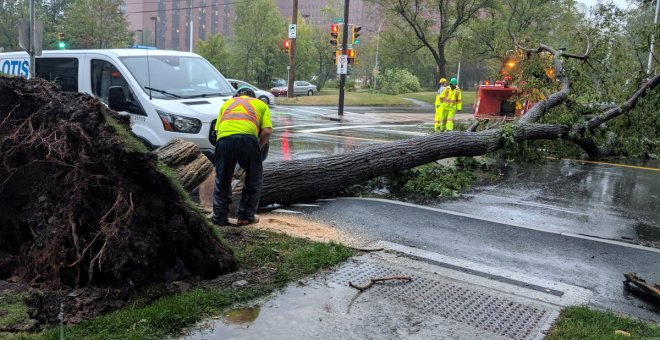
[
  {"x": 215, "y": 51},
  {"x": 96, "y": 24}
]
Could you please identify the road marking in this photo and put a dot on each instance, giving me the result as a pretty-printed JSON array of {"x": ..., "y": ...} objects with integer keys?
[
  {"x": 352, "y": 127},
  {"x": 591, "y": 238},
  {"x": 607, "y": 163},
  {"x": 285, "y": 211}
]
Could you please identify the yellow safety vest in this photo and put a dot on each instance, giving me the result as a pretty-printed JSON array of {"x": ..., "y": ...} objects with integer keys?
[
  {"x": 242, "y": 115},
  {"x": 451, "y": 99}
]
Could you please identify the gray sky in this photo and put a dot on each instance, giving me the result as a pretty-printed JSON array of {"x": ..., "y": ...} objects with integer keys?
[{"x": 619, "y": 3}]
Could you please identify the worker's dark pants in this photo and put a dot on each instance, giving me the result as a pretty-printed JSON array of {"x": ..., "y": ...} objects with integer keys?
[{"x": 244, "y": 150}]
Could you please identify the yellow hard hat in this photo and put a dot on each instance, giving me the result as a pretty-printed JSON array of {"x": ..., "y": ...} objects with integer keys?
[{"x": 442, "y": 80}]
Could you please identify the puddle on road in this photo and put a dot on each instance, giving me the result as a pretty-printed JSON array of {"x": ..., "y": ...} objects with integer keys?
[
  {"x": 649, "y": 235},
  {"x": 242, "y": 316}
]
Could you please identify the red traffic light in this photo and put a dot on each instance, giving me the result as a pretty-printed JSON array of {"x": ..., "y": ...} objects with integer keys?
[
  {"x": 334, "y": 28},
  {"x": 286, "y": 44}
]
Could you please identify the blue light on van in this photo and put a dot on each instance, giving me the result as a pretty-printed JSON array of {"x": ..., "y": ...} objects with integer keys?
[{"x": 143, "y": 47}]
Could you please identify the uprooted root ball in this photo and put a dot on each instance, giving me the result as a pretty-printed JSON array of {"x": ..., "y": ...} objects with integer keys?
[{"x": 81, "y": 207}]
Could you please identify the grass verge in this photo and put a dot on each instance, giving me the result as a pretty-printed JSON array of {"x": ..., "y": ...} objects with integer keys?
[
  {"x": 585, "y": 323},
  {"x": 429, "y": 97},
  {"x": 290, "y": 258},
  {"x": 350, "y": 99}
]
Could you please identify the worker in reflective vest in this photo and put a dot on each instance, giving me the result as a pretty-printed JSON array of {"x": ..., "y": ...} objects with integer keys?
[
  {"x": 438, "y": 108},
  {"x": 243, "y": 129},
  {"x": 450, "y": 102}
]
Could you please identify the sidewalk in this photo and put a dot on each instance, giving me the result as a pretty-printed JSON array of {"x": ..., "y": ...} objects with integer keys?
[{"x": 445, "y": 298}]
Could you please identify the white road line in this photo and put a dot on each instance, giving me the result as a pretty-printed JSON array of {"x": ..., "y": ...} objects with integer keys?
[
  {"x": 591, "y": 238},
  {"x": 351, "y": 127}
]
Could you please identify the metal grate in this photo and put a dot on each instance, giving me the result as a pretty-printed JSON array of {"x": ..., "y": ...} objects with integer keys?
[{"x": 480, "y": 309}]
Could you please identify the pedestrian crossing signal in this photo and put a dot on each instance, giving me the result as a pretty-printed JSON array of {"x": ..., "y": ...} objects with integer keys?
[{"x": 287, "y": 46}]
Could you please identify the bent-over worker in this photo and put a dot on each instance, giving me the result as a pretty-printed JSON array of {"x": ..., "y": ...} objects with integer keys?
[{"x": 243, "y": 129}]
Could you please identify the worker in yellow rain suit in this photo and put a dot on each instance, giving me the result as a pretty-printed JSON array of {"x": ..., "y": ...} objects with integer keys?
[
  {"x": 450, "y": 102},
  {"x": 438, "y": 110}
]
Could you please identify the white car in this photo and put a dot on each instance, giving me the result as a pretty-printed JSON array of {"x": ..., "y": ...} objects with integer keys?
[{"x": 265, "y": 96}]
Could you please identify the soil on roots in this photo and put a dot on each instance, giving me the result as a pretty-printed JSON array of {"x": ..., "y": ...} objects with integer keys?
[{"x": 79, "y": 207}]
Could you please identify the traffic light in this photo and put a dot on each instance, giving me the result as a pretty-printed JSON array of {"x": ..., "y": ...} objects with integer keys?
[
  {"x": 335, "y": 56},
  {"x": 61, "y": 43},
  {"x": 356, "y": 35},
  {"x": 287, "y": 46},
  {"x": 334, "y": 33},
  {"x": 351, "y": 56}
]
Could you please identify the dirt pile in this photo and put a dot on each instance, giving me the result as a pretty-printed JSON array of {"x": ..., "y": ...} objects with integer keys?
[{"x": 79, "y": 207}]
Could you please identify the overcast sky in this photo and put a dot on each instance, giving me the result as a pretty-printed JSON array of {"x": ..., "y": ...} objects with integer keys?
[{"x": 589, "y": 3}]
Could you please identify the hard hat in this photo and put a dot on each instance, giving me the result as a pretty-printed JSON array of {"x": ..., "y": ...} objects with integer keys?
[
  {"x": 245, "y": 91},
  {"x": 442, "y": 80},
  {"x": 453, "y": 81}
]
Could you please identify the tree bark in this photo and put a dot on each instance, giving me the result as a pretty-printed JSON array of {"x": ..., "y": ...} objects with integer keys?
[{"x": 189, "y": 164}]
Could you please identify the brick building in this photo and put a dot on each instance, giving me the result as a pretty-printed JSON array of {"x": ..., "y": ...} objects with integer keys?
[
  {"x": 173, "y": 21},
  {"x": 209, "y": 17}
]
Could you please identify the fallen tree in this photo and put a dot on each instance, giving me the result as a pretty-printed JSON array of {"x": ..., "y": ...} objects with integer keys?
[{"x": 292, "y": 181}]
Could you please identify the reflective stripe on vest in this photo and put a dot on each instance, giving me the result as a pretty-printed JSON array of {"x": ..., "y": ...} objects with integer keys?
[
  {"x": 446, "y": 99},
  {"x": 250, "y": 113}
]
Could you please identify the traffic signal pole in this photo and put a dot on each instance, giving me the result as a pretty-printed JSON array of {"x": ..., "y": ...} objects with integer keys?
[
  {"x": 342, "y": 77},
  {"x": 292, "y": 57}
]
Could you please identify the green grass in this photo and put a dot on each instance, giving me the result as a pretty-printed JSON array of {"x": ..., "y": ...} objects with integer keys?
[
  {"x": 13, "y": 311},
  {"x": 292, "y": 258},
  {"x": 350, "y": 99},
  {"x": 429, "y": 97},
  {"x": 585, "y": 323}
]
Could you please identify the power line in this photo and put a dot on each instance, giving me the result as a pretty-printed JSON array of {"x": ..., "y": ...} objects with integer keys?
[{"x": 185, "y": 8}]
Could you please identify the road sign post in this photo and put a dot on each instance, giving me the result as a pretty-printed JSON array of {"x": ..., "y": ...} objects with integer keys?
[
  {"x": 292, "y": 31},
  {"x": 342, "y": 76}
]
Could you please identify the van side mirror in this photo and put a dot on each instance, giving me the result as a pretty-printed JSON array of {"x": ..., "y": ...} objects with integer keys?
[{"x": 117, "y": 98}]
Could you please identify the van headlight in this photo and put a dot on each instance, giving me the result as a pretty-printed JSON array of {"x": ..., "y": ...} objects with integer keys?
[{"x": 181, "y": 124}]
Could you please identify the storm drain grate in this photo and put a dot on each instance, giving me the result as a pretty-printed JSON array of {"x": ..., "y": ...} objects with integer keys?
[{"x": 448, "y": 299}]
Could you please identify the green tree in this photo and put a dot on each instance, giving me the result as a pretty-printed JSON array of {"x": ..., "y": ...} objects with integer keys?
[
  {"x": 96, "y": 24},
  {"x": 434, "y": 23},
  {"x": 11, "y": 12},
  {"x": 215, "y": 51},
  {"x": 256, "y": 49}
]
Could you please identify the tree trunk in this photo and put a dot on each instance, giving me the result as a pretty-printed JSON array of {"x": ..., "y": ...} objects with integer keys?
[
  {"x": 190, "y": 165},
  {"x": 441, "y": 61}
]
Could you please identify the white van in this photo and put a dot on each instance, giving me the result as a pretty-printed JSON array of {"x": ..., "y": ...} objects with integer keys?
[{"x": 168, "y": 94}]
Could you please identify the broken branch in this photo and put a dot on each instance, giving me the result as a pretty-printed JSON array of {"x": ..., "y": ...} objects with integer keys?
[{"x": 382, "y": 279}]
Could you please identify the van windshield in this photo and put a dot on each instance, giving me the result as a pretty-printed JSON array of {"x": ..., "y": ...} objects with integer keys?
[{"x": 185, "y": 77}]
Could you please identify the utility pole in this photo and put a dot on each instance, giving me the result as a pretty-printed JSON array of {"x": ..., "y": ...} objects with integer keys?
[
  {"x": 292, "y": 56},
  {"x": 342, "y": 77},
  {"x": 655, "y": 24},
  {"x": 31, "y": 40}
]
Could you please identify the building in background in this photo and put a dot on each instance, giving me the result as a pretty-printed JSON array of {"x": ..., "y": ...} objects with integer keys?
[
  {"x": 171, "y": 20},
  {"x": 361, "y": 13}
]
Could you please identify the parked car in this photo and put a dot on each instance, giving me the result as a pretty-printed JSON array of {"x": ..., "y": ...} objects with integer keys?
[
  {"x": 300, "y": 87},
  {"x": 277, "y": 82},
  {"x": 265, "y": 96}
]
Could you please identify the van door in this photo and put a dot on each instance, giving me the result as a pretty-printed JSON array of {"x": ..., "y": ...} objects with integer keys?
[{"x": 103, "y": 75}]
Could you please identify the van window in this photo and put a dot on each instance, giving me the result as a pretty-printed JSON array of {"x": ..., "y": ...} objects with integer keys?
[
  {"x": 185, "y": 77},
  {"x": 104, "y": 75},
  {"x": 63, "y": 71}
]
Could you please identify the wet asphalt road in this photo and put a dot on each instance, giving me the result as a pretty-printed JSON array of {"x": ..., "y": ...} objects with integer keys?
[
  {"x": 590, "y": 264},
  {"x": 599, "y": 200}
]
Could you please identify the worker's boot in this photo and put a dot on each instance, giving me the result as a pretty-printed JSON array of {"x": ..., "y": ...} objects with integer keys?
[{"x": 247, "y": 221}]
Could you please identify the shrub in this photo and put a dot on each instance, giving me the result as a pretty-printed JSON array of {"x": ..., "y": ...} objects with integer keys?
[{"x": 397, "y": 81}]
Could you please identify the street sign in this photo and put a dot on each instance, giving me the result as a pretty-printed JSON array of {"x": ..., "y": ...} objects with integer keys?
[
  {"x": 338, "y": 20},
  {"x": 342, "y": 64},
  {"x": 24, "y": 36},
  {"x": 292, "y": 31}
]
